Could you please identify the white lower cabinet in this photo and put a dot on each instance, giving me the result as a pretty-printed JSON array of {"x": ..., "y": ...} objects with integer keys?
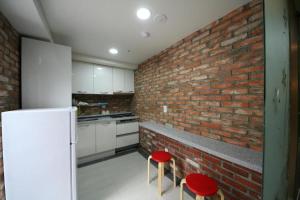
[
  {"x": 105, "y": 136},
  {"x": 127, "y": 140},
  {"x": 86, "y": 140},
  {"x": 127, "y": 133},
  {"x": 125, "y": 128}
]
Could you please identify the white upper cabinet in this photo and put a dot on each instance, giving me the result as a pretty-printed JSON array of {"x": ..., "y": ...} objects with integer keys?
[
  {"x": 103, "y": 77},
  {"x": 129, "y": 81},
  {"x": 97, "y": 79},
  {"x": 118, "y": 80},
  {"x": 82, "y": 78}
]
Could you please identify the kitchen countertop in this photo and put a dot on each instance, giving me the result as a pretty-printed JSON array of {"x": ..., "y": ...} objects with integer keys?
[
  {"x": 241, "y": 156},
  {"x": 100, "y": 115}
]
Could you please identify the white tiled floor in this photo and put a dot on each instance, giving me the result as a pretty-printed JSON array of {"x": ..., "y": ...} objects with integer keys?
[{"x": 123, "y": 178}]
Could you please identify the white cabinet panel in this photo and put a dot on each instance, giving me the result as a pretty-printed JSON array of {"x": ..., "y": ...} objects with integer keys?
[
  {"x": 103, "y": 77},
  {"x": 105, "y": 136},
  {"x": 96, "y": 79},
  {"x": 118, "y": 80},
  {"x": 129, "y": 81},
  {"x": 123, "y": 141},
  {"x": 46, "y": 74},
  {"x": 82, "y": 78},
  {"x": 86, "y": 140},
  {"x": 129, "y": 127}
]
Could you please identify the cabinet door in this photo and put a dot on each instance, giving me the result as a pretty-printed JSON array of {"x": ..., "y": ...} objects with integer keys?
[
  {"x": 86, "y": 140},
  {"x": 105, "y": 136},
  {"x": 82, "y": 78},
  {"x": 129, "y": 81},
  {"x": 118, "y": 80},
  {"x": 103, "y": 80}
]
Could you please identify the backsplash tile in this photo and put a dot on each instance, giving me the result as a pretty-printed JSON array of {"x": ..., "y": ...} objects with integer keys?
[{"x": 115, "y": 103}]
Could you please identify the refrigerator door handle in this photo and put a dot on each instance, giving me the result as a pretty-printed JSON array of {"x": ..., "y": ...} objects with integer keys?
[{"x": 73, "y": 123}]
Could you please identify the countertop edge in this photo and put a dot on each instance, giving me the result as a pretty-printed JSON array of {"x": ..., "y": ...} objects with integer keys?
[{"x": 103, "y": 119}]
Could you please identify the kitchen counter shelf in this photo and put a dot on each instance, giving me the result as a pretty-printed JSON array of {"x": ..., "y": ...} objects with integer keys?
[{"x": 242, "y": 156}]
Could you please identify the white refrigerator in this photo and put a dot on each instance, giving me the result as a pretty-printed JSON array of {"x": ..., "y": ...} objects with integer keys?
[{"x": 39, "y": 154}]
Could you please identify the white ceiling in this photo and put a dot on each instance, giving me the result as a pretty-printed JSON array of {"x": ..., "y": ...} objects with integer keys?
[
  {"x": 26, "y": 16},
  {"x": 91, "y": 27}
]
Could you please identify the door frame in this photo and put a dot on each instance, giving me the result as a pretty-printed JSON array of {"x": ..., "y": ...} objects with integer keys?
[
  {"x": 294, "y": 100},
  {"x": 277, "y": 74}
]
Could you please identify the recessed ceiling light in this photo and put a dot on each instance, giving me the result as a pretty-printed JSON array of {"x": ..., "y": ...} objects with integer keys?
[
  {"x": 143, "y": 13},
  {"x": 113, "y": 51},
  {"x": 145, "y": 34}
]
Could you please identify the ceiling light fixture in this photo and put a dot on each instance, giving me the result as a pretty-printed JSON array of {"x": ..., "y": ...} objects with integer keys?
[
  {"x": 145, "y": 34},
  {"x": 113, "y": 51},
  {"x": 143, "y": 13}
]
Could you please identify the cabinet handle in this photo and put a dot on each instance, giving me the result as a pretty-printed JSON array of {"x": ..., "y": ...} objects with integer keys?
[
  {"x": 104, "y": 123},
  {"x": 84, "y": 125}
]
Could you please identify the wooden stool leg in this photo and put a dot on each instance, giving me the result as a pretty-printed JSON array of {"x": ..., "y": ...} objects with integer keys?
[
  {"x": 162, "y": 170},
  {"x": 148, "y": 179},
  {"x": 200, "y": 198},
  {"x": 220, "y": 193},
  {"x": 174, "y": 172},
  {"x": 162, "y": 177},
  {"x": 183, "y": 181},
  {"x": 159, "y": 180}
]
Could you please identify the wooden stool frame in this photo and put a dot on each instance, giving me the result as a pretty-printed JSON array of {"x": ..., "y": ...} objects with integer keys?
[{"x": 161, "y": 173}]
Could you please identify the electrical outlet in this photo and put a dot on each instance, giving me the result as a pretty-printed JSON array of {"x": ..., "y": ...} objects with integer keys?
[{"x": 165, "y": 109}]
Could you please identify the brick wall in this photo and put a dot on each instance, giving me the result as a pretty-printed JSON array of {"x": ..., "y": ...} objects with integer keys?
[
  {"x": 116, "y": 103},
  {"x": 237, "y": 183},
  {"x": 9, "y": 77},
  {"x": 212, "y": 81}
]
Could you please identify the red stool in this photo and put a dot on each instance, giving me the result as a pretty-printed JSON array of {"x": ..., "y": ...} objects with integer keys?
[
  {"x": 201, "y": 185},
  {"x": 161, "y": 157}
]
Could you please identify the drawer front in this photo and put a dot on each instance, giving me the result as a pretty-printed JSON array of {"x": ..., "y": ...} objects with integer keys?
[
  {"x": 130, "y": 127},
  {"x": 127, "y": 140}
]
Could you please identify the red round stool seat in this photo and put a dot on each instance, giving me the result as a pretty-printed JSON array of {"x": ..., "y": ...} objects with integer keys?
[
  {"x": 201, "y": 185},
  {"x": 161, "y": 156}
]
